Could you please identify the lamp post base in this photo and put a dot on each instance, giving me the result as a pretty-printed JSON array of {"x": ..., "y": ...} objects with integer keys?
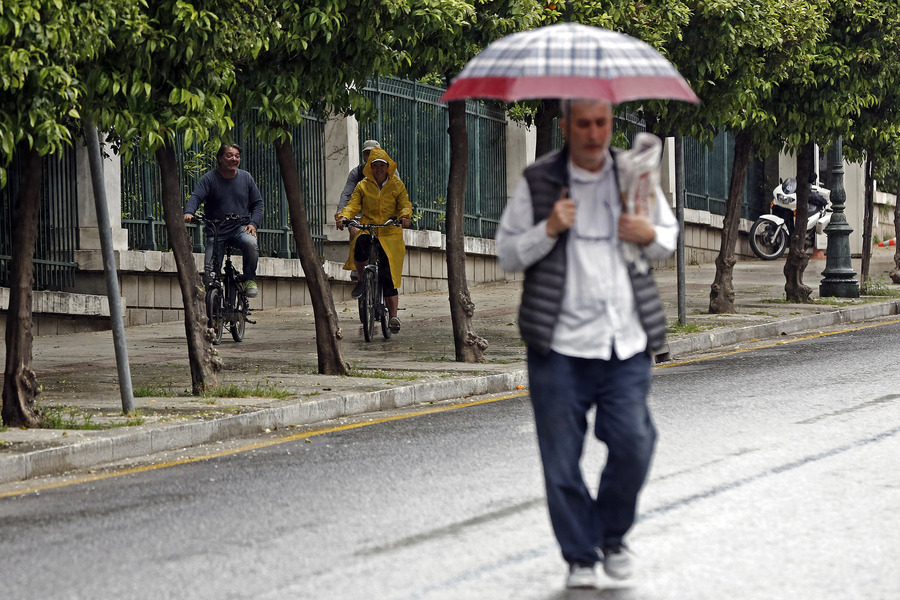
[{"x": 839, "y": 288}]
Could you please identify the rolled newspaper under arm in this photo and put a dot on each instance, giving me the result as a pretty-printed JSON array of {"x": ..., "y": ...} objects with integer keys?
[{"x": 638, "y": 172}]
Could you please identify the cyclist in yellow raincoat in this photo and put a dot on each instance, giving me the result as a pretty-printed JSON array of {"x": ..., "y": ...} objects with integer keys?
[{"x": 381, "y": 195}]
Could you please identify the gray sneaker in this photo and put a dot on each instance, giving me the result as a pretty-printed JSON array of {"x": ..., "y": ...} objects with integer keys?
[
  {"x": 251, "y": 289},
  {"x": 617, "y": 562},
  {"x": 581, "y": 576}
]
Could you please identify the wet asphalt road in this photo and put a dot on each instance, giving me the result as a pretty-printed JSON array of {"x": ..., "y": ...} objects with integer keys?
[{"x": 775, "y": 477}]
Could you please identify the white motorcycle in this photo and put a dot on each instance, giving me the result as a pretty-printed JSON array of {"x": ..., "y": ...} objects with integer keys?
[{"x": 770, "y": 234}]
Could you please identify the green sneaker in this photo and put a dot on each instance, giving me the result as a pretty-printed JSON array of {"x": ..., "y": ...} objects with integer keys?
[{"x": 250, "y": 288}]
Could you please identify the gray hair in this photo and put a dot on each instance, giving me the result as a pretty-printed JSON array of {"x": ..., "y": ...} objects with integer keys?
[{"x": 565, "y": 105}]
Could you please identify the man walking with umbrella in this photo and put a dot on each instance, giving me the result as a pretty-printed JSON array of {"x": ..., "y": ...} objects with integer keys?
[{"x": 588, "y": 344}]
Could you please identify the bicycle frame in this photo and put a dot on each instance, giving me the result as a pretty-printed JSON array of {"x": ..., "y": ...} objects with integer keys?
[
  {"x": 226, "y": 302},
  {"x": 371, "y": 302}
]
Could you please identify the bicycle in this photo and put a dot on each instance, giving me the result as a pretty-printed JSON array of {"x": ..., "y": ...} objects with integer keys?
[
  {"x": 371, "y": 302},
  {"x": 226, "y": 300}
]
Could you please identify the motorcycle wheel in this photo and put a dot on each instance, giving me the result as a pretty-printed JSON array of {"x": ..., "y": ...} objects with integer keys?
[{"x": 767, "y": 240}]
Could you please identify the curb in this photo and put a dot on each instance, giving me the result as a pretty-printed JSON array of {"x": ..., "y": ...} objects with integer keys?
[
  {"x": 114, "y": 445},
  {"x": 701, "y": 342}
]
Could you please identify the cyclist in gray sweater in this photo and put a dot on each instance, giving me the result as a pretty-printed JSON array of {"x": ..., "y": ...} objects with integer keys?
[{"x": 228, "y": 190}]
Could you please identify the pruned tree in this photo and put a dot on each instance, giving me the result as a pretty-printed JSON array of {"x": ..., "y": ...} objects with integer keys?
[
  {"x": 735, "y": 72},
  {"x": 288, "y": 81},
  {"x": 827, "y": 94},
  {"x": 875, "y": 133},
  {"x": 165, "y": 72},
  {"x": 445, "y": 52},
  {"x": 42, "y": 43}
]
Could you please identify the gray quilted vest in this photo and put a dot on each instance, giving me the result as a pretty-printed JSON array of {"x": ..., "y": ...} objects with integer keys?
[{"x": 544, "y": 285}]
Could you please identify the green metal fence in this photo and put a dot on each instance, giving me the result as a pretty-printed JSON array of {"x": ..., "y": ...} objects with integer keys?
[
  {"x": 707, "y": 174},
  {"x": 142, "y": 213},
  {"x": 57, "y": 240},
  {"x": 411, "y": 125}
]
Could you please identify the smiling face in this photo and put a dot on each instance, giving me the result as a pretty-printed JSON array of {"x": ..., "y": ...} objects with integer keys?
[
  {"x": 229, "y": 159},
  {"x": 379, "y": 171},
  {"x": 588, "y": 129}
]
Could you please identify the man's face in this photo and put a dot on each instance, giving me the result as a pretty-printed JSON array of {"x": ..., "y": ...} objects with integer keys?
[
  {"x": 366, "y": 155},
  {"x": 230, "y": 160},
  {"x": 588, "y": 131}
]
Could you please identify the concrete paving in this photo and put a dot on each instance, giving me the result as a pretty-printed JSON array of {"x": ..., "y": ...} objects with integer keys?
[{"x": 276, "y": 365}]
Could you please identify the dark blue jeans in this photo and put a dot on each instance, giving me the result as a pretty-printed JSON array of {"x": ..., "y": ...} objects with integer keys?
[
  {"x": 238, "y": 238},
  {"x": 563, "y": 390}
]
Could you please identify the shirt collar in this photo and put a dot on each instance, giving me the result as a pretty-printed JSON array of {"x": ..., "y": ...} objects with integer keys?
[{"x": 580, "y": 175}]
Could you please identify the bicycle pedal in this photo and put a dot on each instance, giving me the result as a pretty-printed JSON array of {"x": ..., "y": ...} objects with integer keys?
[{"x": 251, "y": 322}]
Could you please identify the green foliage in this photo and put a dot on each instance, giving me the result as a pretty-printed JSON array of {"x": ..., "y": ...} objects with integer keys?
[
  {"x": 170, "y": 68},
  {"x": 41, "y": 44}
]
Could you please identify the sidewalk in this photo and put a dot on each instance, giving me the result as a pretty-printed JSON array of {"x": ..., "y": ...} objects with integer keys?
[{"x": 79, "y": 378}]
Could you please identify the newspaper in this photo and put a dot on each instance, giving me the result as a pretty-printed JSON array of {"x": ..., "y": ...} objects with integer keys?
[{"x": 638, "y": 171}]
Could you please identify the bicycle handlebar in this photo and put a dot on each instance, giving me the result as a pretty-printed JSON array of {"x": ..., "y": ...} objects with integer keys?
[
  {"x": 229, "y": 217},
  {"x": 393, "y": 221}
]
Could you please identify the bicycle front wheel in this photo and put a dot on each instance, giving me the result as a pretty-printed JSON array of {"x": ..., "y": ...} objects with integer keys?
[
  {"x": 215, "y": 311},
  {"x": 239, "y": 317},
  {"x": 383, "y": 315},
  {"x": 367, "y": 304}
]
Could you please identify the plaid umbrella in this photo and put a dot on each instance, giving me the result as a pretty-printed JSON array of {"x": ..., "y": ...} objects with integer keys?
[{"x": 568, "y": 60}]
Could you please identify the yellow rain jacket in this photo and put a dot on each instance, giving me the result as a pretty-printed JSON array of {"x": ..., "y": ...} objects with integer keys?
[{"x": 378, "y": 205}]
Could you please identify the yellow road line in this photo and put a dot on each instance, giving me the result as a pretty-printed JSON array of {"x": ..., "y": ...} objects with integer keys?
[{"x": 249, "y": 447}]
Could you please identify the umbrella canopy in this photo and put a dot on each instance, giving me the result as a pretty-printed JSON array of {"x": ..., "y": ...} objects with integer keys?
[{"x": 568, "y": 60}]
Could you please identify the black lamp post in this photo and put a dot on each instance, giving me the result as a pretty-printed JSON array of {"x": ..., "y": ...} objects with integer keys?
[{"x": 839, "y": 277}]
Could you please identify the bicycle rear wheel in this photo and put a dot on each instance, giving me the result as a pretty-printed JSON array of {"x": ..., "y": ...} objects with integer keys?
[
  {"x": 239, "y": 317},
  {"x": 367, "y": 305},
  {"x": 215, "y": 312}
]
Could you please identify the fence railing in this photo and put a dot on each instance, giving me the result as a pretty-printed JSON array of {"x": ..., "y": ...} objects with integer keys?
[
  {"x": 707, "y": 174},
  {"x": 142, "y": 213},
  {"x": 57, "y": 240},
  {"x": 411, "y": 125}
]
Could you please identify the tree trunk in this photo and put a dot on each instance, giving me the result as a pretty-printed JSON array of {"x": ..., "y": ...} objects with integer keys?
[
  {"x": 204, "y": 361},
  {"x": 543, "y": 124},
  {"x": 20, "y": 386},
  {"x": 721, "y": 295},
  {"x": 895, "y": 272},
  {"x": 328, "y": 329},
  {"x": 797, "y": 259},
  {"x": 868, "y": 217},
  {"x": 469, "y": 345}
]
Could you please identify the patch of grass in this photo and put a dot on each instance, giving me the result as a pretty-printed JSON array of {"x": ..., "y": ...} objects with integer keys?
[
  {"x": 135, "y": 418},
  {"x": 237, "y": 391},
  {"x": 379, "y": 374},
  {"x": 677, "y": 327},
  {"x": 152, "y": 391},
  {"x": 823, "y": 301},
  {"x": 68, "y": 417},
  {"x": 879, "y": 288}
]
